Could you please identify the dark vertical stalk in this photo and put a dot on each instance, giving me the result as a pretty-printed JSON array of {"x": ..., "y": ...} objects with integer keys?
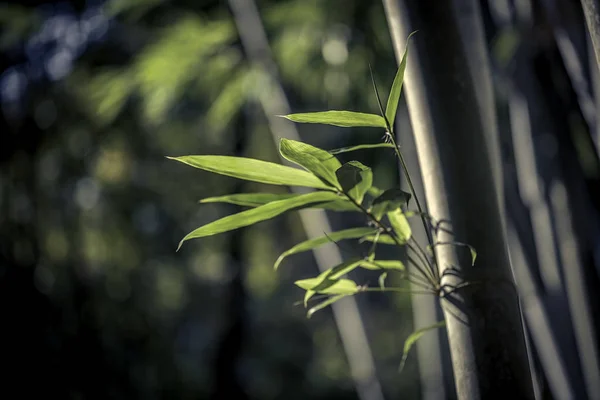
[{"x": 458, "y": 175}]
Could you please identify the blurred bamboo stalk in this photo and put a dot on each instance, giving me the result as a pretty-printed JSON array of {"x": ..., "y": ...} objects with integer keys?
[
  {"x": 315, "y": 222},
  {"x": 591, "y": 10}
]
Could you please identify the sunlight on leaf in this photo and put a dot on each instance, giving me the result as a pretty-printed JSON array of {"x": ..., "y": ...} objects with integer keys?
[
  {"x": 361, "y": 147},
  {"x": 400, "y": 225},
  {"x": 253, "y": 170},
  {"x": 344, "y": 119},
  {"x": 384, "y": 264},
  {"x": 249, "y": 199},
  {"x": 394, "y": 98},
  {"x": 258, "y": 214},
  {"x": 318, "y": 161}
]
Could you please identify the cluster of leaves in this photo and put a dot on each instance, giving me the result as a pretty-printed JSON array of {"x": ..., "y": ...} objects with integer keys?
[{"x": 347, "y": 187}]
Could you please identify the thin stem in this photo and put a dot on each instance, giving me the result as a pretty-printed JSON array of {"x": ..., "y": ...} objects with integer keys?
[
  {"x": 397, "y": 289},
  {"x": 393, "y": 236}
]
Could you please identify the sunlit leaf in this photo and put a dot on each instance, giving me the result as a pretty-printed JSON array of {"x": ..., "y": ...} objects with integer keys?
[
  {"x": 324, "y": 304},
  {"x": 253, "y": 170},
  {"x": 258, "y": 214},
  {"x": 339, "y": 118},
  {"x": 383, "y": 238},
  {"x": 360, "y": 147},
  {"x": 392, "y": 103},
  {"x": 318, "y": 161},
  {"x": 328, "y": 286},
  {"x": 375, "y": 191},
  {"x": 400, "y": 225},
  {"x": 389, "y": 200},
  {"x": 259, "y": 199},
  {"x": 384, "y": 264},
  {"x": 355, "y": 179},
  {"x": 352, "y": 233},
  {"x": 412, "y": 339},
  {"x": 249, "y": 199}
]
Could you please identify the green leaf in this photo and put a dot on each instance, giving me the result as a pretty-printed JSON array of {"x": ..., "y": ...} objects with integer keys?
[
  {"x": 412, "y": 339},
  {"x": 389, "y": 200},
  {"x": 392, "y": 103},
  {"x": 337, "y": 205},
  {"x": 318, "y": 161},
  {"x": 375, "y": 191},
  {"x": 257, "y": 214},
  {"x": 352, "y": 233},
  {"x": 249, "y": 199},
  {"x": 324, "y": 304},
  {"x": 383, "y": 238},
  {"x": 328, "y": 282},
  {"x": 355, "y": 179},
  {"x": 360, "y": 147},
  {"x": 384, "y": 264},
  {"x": 471, "y": 249},
  {"x": 339, "y": 118},
  {"x": 400, "y": 225},
  {"x": 253, "y": 170},
  {"x": 381, "y": 280},
  {"x": 326, "y": 286},
  {"x": 259, "y": 199}
]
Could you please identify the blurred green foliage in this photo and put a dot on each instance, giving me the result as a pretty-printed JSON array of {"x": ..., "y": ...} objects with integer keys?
[{"x": 91, "y": 205}]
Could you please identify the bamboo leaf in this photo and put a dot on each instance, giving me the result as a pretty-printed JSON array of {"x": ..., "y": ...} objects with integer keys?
[
  {"x": 392, "y": 103},
  {"x": 383, "y": 238},
  {"x": 352, "y": 233},
  {"x": 253, "y": 170},
  {"x": 412, "y": 339},
  {"x": 400, "y": 225},
  {"x": 384, "y": 264},
  {"x": 259, "y": 199},
  {"x": 381, "y": 280},
  {"x": 360, "y": 147},
  {"x": 318, "y": 161},
  {"x": 338, "y": 118},
  {"x": 258, "y": 214},
  {"x": 324, "y": 304},
  {"x": 355, "y": 179},
  {"x": 389, "y": 200},
  {"x": 249, "y": 199},
  {"x": 323, "y": 284}
]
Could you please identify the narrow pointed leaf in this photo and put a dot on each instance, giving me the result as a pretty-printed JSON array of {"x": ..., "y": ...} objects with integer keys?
[
  {"x": 259, "y": 199},
  {"x": 355, "y": 179},
  {"x": 383, "y": 238},
  {"x": 253, "y": 170},
  {"x": 381, "y": 280},
  {"x": 249, "y": 199},
  {"x": 328, "y": 286},
  {"x": 361, "y": 147},
  {"x": 352, "y": 233},
  {"x": 412, "y": 339},
  {"x": 389, "y": 200},
  {"x": 400, "y": 225},
  {"x": 324, "y": 304},
  {"x": 384, "y": 264},
  {"x": 318, "y": 161},
  {"x": 392, "y": 103},
  {"x": 257, "y": 214},
  {"x": 344, "y": 119}
]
